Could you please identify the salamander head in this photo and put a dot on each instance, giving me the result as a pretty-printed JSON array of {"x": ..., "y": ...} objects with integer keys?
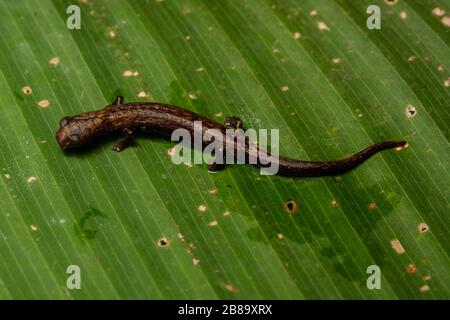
[{"x": 78, "y": 130}]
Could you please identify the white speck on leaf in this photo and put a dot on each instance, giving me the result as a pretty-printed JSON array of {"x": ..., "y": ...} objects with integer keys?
[
  {"x": 44, "y": 103},
  {"x": 446, "y": 21},
  {"x": 27, "y": 90},
  {"x": 54, "y": 61},
  {"x": 213, "y": 223},
  {"x": 397, "y": 246},
  {"x": 322, "y": 26},
  {"x": 424, "y": 288},
  {"x": 31, "y": 179},
  {"x": 438, "y": 12},
  {"x": 296, "y": 35}
]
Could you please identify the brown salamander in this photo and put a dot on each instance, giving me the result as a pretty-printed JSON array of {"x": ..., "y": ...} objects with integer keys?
[{"x": 133, "y": 117}]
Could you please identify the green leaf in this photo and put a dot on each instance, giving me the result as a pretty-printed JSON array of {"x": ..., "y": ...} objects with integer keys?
[{"x": 139, "y": 226}]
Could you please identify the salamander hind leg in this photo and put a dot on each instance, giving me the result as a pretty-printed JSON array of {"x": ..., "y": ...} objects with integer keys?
[
  {"x": 233, "y": 122},
  {"x": 118, "y": 101},
  {"x": 125, "y": 142}
]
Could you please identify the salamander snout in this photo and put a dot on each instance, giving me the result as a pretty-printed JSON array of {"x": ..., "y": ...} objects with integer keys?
[
  {"x": 78, "y": 130},
  {"x": 67, "y": 135}
]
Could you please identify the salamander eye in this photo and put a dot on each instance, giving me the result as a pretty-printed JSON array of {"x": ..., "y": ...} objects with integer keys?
[{"x": 64, "y": 121}]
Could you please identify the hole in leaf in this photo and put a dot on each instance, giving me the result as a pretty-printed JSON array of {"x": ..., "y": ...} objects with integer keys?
[
  {"x": 163, "y": 242},
  {"x": 290, "y": 206}
]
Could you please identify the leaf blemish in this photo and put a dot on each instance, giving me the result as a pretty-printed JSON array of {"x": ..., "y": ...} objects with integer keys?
[
  {"x": 213, "y": 223},
  {"x": 424, "y": 288},
  {"x": 54, "y": 61},
  {"x": 44, "y": 103},
  {"x": 213, "y": 191},
  {"x": 231, "y": 288},
  {"x": 322, "y": 26},
  {"x": 447, "y": 82},
  {"x": 163, "y": 242},
  {"x": 411, "y": 268},
  {"x": 397, "y": 246},
  {"x": 31, "y": 179},
  {"x": 438, "y": 12},
  {"x": 27, "y": 90},
  {"x": 372, "y": 205},
  {"x": 423, "y": 227},
  {"x": 446, "y": 21},
  {"x": 410, "y": 111},
  {"x": 290, "y": 206},
  {"x": 391, "y": 2}
]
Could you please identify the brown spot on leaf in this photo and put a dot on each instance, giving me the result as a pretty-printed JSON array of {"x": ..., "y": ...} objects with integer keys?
[
  {"x": 372, "y": 206},
  {"x": 423, "y": 227},
  {"x": 163, "y": 242},
  {"x": 410, "y": 111},
  {"x": 290, "y": 206},
  {"x": 411, "y": 268},
  {"x": 230, "y": 288},
  {"x": 213, "y": 191},
  {"x": 27, "y": 90}
]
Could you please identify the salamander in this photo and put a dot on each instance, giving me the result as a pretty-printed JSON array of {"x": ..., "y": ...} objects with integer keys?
[{"x": 130, "y": 118}]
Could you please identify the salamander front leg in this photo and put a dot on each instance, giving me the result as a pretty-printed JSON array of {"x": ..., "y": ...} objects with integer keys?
[
  {"x": 217, "y": 165},
  {"x": 233, "y": 122},
  {"x": 126, "y": 141}
]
